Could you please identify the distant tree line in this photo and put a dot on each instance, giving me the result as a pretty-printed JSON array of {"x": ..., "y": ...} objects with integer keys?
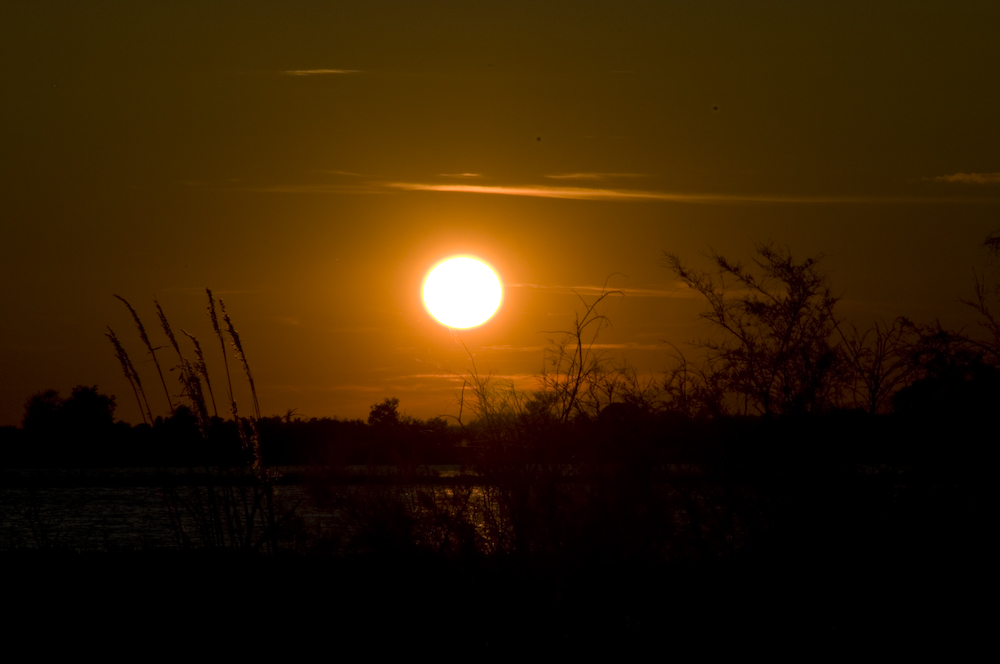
[{"x": 81, "y": 431}]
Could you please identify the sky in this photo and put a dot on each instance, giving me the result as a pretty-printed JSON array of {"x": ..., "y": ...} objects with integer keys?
[{"x": 310, "y": 161}]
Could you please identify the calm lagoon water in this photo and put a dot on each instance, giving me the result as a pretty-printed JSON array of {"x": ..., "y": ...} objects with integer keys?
[{"x": 124, "y": 508}]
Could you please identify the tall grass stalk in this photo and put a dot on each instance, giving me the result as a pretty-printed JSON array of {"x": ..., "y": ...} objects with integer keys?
[
  {"x": 222, "y": 343},
  {"x": 241, "y": 356},
  {"x": 205, "y": 511},
  {"x": 202, "y": 369},
  {"x": 165, "y": 324},
  {"x": 131, "y": 374},
  {"x": 190, "y": 372},
  {"x": 265, "y": 482},
  {"x": 152, "y": 351},
  {"x": 235, "y": 509}
]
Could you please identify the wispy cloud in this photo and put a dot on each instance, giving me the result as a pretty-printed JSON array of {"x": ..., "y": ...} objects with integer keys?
[
  {"x": 627, "y": 346},
  {"x": 319, "y": 189},
  {"x": 355, "y": 388},
  {"x": 592, "y": 194},
  {"x": 679, "y": 291},
  {"x": 539, "y": 349},
  {"x": 459, "y": 377},
  {"x": 624, "y": 195},
  {"x": 460, "y": 175},
  {"x": 538, "y": 191},
  {"x": 451, "y": 383},
  {"x": 969, "y": 178},
  {"x": 594, "y": 176},
  {"x": 319, "y": 72}
]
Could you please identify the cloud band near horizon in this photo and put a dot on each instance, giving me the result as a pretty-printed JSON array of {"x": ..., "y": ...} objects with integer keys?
[
  {"x": 969, "y": 178},
  {"x": 592, "y": 194},
  {"x": 319, "y": 72}
]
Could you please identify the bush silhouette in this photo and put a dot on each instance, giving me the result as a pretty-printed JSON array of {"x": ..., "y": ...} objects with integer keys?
[
  {"x": 385, "y": 414},
  {"x": 773, "y": 322}
]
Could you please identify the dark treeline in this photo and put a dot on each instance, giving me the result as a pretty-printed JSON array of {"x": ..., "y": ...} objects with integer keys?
[
  {"x": 80, "y": 431},
  {"x": 940, "y": 411}
]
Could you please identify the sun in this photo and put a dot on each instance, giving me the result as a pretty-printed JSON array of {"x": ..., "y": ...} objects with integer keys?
[{"x": 462, "y": 292}]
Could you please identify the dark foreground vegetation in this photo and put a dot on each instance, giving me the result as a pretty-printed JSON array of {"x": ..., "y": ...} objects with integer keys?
[
  {"x": 792, "y": 477},
  {"x": 733, "y": 534}
]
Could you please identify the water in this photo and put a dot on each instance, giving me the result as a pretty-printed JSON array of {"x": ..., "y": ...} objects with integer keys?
[
  {"x": 126, "y": 508},
  {"x": 359, "y": 508}
]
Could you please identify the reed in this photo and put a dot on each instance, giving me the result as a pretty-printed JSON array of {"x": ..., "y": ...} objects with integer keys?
[
  {"x": 258, "y": 467},
  {"x": 201, "y": 368},
  {"x": 235, "y": 509},
  {"x": 152, "y": 351},
  {"x": 130, "y": 374},
  {"x": 241, "y": 356},
  {"x": 190, "y": 376},
  {"x": 165, "y": 324},
  {"x": 222, "y": 343}
]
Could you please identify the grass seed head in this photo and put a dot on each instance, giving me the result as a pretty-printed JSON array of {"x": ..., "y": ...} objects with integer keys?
[
  {"x": 166, "y": 328},
  {"x": 138, "y": 323}
]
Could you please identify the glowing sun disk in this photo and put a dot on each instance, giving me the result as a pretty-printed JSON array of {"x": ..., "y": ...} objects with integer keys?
[{"x": 462, "y": 292}]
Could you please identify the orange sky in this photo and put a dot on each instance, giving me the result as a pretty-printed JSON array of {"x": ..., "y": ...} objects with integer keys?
[{"x": 310, "y": 161}]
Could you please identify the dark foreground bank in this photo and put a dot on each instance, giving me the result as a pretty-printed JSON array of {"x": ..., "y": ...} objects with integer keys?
[
  {"x": 886, "y": 603},
  {"x": 847, "y": 535}
]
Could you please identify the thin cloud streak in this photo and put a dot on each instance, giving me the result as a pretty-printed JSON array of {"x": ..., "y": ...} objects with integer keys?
[
  {"x": 594, "y": 176},
  {"x": 969, "y": 178},
  {"x": 453, "y": 383},
  {"x": 627, "y": 346},
  {"x": 318, "y": 189},
  {"x": 588, "y": 194},
  {"x": 593, "y": 194},
  {"x": 542, "y": 349},
  {"x": 319, "y": 72},
  {"x": 680, "y": 291}
]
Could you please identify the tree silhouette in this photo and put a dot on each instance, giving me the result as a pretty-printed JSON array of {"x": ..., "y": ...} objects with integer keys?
[
  {"x": 773, "y": 320},
  {"x": 576, "y": 372},
  {"x": 41, "y": 411},
  {"x": 955, "y": 380},
  {"x": 880, "y": 360},
  {"x": 75, "y": 430},
  {"x": 384, "y": 414},
  {"x": 89, "y": 410},
  {"x": 85, "y": 411}
]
